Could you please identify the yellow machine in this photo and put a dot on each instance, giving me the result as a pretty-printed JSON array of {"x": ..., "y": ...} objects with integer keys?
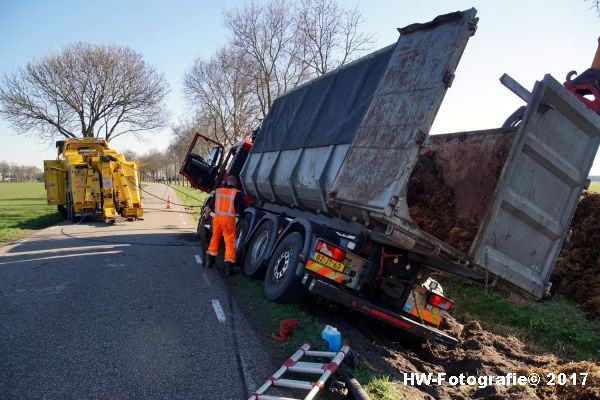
[{"x": 90, "y": 180}]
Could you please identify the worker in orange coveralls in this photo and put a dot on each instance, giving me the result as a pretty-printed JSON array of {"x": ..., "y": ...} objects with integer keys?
[{"x": 227, "y": 203}]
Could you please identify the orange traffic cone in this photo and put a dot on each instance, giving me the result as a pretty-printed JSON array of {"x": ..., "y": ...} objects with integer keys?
[{"x": 168, "y": 202}]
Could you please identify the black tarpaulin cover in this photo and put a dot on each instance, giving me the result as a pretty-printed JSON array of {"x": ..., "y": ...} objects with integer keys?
[{"x": 324, "y": 112}]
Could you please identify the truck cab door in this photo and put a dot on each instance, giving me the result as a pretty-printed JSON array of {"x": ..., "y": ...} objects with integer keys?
[{"x": 200, "y": 172}]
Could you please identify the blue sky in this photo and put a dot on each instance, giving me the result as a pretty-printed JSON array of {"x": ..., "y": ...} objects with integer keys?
[{"x": 526, "y": 39}]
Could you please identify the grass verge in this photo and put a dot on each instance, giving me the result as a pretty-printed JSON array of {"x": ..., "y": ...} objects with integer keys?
[
  {"x": 265, "y": 317},
  {"x": 192, "y": 198},
  {"x": 555, "y": 325},
  {"x": 24, "y": 209},
  {"x": 595, "y": 186}
]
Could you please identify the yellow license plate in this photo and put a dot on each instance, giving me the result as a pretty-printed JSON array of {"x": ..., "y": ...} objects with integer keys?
[{"x": 328, "y": 262}]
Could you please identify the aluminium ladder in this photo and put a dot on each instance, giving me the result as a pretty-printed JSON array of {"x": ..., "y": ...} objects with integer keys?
[{"x": 293, "y": 364}]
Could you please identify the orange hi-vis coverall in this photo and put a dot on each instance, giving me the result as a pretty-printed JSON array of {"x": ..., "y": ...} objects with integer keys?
[{"x": 224, "y": 223}]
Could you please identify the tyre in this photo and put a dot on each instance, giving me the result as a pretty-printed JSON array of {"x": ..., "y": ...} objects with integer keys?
[
  {"x": 281, "y": 283},
  {"x": 62, "y": 210},
  {"x": 203, "y": 232},
  {"x": 70, "y": 208},
  {"x": 241, "y": 233},
  {"x": 256, "y": 251}
]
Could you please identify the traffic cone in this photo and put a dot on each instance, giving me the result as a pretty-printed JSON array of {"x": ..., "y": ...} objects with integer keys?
[{"x": 168, "y": 203}]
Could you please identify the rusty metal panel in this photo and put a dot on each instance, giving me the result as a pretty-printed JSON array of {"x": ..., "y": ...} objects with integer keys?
[
  {"x": 537, "y": 193},
  {"x": 377, "y": 167}
]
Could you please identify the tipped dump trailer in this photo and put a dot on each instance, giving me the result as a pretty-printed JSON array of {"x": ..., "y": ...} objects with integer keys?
[
  {"x": 88, "y": 179},
  {"x": 354, "y": 201}
]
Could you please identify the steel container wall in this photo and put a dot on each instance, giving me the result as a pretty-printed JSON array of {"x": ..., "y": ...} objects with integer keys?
[{"x": 365, "y": 179}]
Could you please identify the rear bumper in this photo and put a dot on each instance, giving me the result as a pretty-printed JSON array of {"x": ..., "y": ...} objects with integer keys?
[{"x": 356, "y": 303}]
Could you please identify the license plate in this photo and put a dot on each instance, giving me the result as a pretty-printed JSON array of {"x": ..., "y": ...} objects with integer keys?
[{"x": 328, "y": 262}]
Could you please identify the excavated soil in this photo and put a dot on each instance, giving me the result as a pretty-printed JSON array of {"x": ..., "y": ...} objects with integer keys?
[
  {"x": 577, "y": 270},
  {"x": 479, "y": 352},
  {"x": 432, "y": 206}
]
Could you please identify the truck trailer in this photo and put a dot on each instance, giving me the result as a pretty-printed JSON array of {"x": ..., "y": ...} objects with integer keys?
[
  {"x": 351, "y": 199},
  {"x": 88, "y": 179}
]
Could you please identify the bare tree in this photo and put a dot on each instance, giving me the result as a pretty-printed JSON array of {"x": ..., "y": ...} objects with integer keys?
[
  {"x": 266, "y": 34},
  {"x": 595, "y": 5},
  {"x": 288, "y": 45},
  {"x": 331, "y": 34},
  {"x": 4, "y": 169},
  {"x": 182, "y": 136},
  {"x": 18, "y": 172},
  {"x": 224, "y": 93},
  {"x": 129, "y": 155},
  {"x": 85, "y": 90}
]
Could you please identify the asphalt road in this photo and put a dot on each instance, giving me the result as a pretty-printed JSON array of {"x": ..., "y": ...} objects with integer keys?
[{"x": 122, "y": 311}]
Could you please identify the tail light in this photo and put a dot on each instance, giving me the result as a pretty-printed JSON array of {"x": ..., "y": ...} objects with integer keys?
[
  {"x": 438, "y": 301},
  {"x": 330, "y": 250}
]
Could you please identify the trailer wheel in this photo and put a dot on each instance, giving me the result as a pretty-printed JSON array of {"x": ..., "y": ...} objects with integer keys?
[
  {"x": 254, "y": 263},
  {"x": 281, "y": 283}
]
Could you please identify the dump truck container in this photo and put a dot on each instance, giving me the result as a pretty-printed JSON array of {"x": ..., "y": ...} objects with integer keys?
[{"x": 355, "y": 145}]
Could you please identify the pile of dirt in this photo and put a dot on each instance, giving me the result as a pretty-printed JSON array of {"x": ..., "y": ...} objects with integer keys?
[
  {"x": 431, "y": 205},
  {"x": 479, "y": 353},
  {"x": 577, "y": 270}
]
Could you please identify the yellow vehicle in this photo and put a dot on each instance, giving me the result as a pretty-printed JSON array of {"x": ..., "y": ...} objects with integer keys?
[{"x": 88, "y": 179}]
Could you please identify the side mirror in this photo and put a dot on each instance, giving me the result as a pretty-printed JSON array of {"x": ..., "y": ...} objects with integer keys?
[{"x": 213, "y": 158}]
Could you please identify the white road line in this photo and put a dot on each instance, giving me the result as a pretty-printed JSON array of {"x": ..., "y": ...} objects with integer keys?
[
  {"x": 218, "y": 311},
  {"x": 206, "y": 280},
  {"x": 20, "y": 243},
  {"x": 198, "y": 259}
]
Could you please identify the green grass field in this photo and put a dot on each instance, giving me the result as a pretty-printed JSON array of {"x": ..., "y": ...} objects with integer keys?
[
  {"x": 23, "y": 209},
  {"x": 595, "y": 186}
]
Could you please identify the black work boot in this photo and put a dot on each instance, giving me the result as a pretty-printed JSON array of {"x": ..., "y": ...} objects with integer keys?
[
  {"x": 210, "y": 261},
  {"x": 228, "y": 268}
]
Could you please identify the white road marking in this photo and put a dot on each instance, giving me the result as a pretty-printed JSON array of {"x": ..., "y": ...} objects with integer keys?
[
  {"x": 206, "y": 280},
  {"x": 218, "y": 310},
  {"x": 184, "y": 222},
  {"x": 20, "y": 243},
  {"x": 198, "y": 259},
  {"x": 115, "y": 265}
]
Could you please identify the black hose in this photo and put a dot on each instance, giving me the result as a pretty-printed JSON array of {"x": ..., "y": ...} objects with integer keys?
[{"x": 355, "y": 390}]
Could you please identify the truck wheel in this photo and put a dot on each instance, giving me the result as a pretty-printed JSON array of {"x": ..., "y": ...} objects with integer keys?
[
  {"x": 281, "y": 283},
  {"x": 204, "y": 234},
  {"x": 256, "y": 251},
  {"x": 62, "y": 210},
  {"x": 241, "y": 233},
  {"x": 70, "y": 208}
]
